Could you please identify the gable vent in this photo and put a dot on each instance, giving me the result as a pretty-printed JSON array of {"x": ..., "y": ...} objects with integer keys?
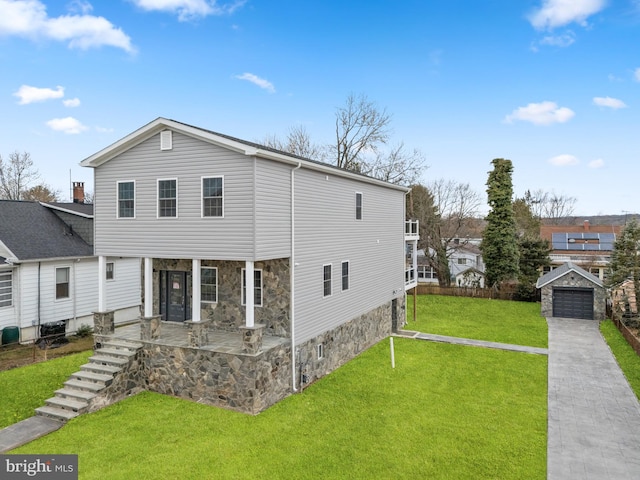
[{"x": 166, "y": 140}]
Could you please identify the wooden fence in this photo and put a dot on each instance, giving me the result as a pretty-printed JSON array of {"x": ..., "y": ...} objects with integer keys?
[
  {"x": 617, "y": 320},
  {"x": 505, "y": 293}
]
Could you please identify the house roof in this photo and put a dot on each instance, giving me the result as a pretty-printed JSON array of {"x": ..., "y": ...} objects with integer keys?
[
  {"x": 80, "y": 209},
  {"x": 226, "y": 141},
  {"x": 586, "y": 238},
  {"x": 32, "y": 232},
  {"x": 563, "y": 270}
]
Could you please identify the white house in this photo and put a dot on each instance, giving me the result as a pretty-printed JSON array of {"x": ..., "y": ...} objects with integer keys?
[{"x": 48, "y": 272}]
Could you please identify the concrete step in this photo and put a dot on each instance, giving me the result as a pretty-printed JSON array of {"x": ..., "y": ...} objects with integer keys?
[
  {"x": 121, "y": 344},
  {"x": 93, "y": 377},
  {"x": 74, "y": 383},
  {"x": 57, "y": 413},
  {"x": 67, "y": 404},
  {"x": 115, "y": 352},
  {"x": 106, "y": 360},
  {"x": 100, "y": 368},
  {"x": 74, "y": 393}
]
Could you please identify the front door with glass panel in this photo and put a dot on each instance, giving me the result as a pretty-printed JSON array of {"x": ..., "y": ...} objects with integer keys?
[{"x": 175, "y": 298}]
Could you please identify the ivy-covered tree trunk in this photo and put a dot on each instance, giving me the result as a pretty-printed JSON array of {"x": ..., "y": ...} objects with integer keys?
[{"x": 499, "y": 242}]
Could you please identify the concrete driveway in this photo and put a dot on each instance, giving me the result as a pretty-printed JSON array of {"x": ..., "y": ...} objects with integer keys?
[{"x": 594, "y": 416}]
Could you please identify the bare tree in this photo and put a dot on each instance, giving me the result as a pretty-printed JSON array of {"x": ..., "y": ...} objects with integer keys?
[
  {"x": 298, "y": 142},
  {"x": 447, "y": 212},
  {"x": 16, "y": 174},
  {"x": 551, "y": 207},
  {"x": 361, "y": 128},
  {"x": 397, "y": 166},
  {"x": 41, "y": 193}
]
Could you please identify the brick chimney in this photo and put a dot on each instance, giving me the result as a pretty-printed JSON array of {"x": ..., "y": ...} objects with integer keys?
[
  {"x": 78, "y": 192},
  {"x": 586, "y": 225}
]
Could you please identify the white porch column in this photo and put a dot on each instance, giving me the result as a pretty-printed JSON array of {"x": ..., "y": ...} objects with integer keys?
[
  {"x": 249, "y": 306},
  {"x": 102, "y": 283},
  {"x": 414, "y": 257},
  {"x": 196, "y": 290},
  {"x": 148, "y": 287}
]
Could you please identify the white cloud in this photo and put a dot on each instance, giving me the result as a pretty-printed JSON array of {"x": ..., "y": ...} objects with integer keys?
[
  {"x": 28, "y": 94},
  {"x": 557, "y": 13},
  {"x": 72, "y": 102},
  {"x": 636, "y": 74},
  {"x": 67, "y": 125},
  {"x": 564, "y": 160},
  {"x": 104, "y": 130},
  {"x": 29, "y": 19},
  {"x": 261, "y": 82},
  {"x": 544, "y": 113},
  {"x": 609, "y": 102},
  {"x": 598, "y": 163},
  {"x": 189, "y": 9},
  {"x": 563, "y": 40}
]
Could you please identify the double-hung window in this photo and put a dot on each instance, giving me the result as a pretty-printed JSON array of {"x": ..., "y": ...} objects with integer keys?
[
  {"x": 257, "y": 287},
  {"x": 209, "y": 284},
  {"x": 212, "y": 197},
  {"x": 6, "y": 289},
  {"x": 110, "y": 272},
  {"x": 126, "y": 199},
  {"x": 62, "y": 282},
  {"x": 326, "y": 280},
  {"x": 345, "y": 276},
  {"x": 168, "y": 198}
]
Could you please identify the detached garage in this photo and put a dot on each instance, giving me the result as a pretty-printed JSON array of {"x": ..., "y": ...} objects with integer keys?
[{"x": 571, "y": 292}]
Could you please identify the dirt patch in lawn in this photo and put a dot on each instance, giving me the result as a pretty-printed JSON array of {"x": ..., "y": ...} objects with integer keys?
[{"x": 17, "y": 355}]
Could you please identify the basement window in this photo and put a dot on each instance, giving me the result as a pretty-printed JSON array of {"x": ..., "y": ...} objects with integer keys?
[{"x": 320, "y": 351}]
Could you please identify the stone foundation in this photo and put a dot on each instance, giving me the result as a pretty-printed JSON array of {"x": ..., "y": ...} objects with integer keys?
[{"x": 103, "y": 325}]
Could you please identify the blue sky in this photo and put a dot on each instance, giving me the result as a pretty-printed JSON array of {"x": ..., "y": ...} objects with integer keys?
[{"x": 550, "y": 84}]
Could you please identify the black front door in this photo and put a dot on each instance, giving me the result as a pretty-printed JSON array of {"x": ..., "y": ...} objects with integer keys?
[{"x": 175, "y": 298}]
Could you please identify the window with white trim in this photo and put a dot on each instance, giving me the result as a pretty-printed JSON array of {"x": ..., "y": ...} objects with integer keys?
[
  {"x": 62, "y": 282},
  {"x": 6, "y": 289},
  {"x": 209, "y": 284},
  {"x": 257, "y": 287},
  {"x": 212, "y": 197},
  {"x": 110, "y": 271},
  {"x": 358, "y": 206},
  {"x": 326, "y": 280},
  {"x": 126, "y": 199},
  {"x": 345, "y": 276},
  {"x": 168, "y": 198}
]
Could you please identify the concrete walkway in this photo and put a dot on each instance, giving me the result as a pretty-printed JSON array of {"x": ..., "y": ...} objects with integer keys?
[
  {"x": 25, "y": 431},
  {"x": 593, "y": 416}
]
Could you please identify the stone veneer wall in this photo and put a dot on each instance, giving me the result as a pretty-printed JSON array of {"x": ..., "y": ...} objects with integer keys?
[
  {"x": 228, "y": 313},
  {"x": 246, "y": 383},
  {"x": 571, "y": 279},
  {"x": 345, "y": 342}
]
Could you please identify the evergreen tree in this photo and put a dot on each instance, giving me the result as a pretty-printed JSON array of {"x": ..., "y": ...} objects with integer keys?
[
  {"x": 499, "y": 243},
  {"x": 625, "y": 259}
]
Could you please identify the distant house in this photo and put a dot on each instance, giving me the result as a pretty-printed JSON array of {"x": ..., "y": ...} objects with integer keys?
[
  {"x": 48, "y": 272},
  {"x": 263, "y": 271},
  {"x": 465, "y": 266},
  {"x": 587, "y": 246}
]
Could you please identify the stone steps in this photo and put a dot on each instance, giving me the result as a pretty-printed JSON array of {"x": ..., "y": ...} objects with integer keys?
[{"x": 74, "y": 398}]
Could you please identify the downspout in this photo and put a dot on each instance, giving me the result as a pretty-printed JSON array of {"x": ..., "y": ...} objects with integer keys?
[
  {"x": 37, "y": 335},
  {"x": 292, "y": 276}
]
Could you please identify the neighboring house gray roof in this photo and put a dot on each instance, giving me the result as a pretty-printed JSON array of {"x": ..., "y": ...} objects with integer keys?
[
  {"x": 83, "y": 209},
  {"x": 564, "y": 269},
  {"x": 31, "y": 231}
]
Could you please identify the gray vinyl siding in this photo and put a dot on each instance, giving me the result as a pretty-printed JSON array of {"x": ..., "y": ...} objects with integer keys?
[
  {"x": 327, "y": 232},
  {"x": 189, "y": 235},
  {"x": 273, "y": 210}
]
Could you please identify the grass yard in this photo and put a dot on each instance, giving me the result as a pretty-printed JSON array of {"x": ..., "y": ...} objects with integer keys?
[
  {"x": 628, "y": 360},
  {"x": 518, "y": 323},
  {"x": 444, "y": 412},
  {"x": 26, "y": 388}
]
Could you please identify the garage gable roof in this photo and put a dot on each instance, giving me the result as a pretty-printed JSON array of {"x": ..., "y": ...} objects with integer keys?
[{"x": 563, "y": 270}]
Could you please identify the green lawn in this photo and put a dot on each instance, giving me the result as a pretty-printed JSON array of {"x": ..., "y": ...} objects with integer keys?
[
  {"x": 518, "y": 323},
  {"x": 24, "y": 389},
  {"x": 445, "y": 411},
  {"x": 628, "y": 360}
]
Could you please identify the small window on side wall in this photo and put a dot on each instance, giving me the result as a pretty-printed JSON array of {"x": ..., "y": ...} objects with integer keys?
[
  {"x": 326, "y": 280},
  {"x": 358, "y": 206},
  {"x": 168, "y": 198},
  {"x": 212, "y": 197},
  {"x": 345, "y": 276},
  {"x": 126, "y": 199},
  {"x": 110, "y": 273},
  {"x": 62, "y": 283}
]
